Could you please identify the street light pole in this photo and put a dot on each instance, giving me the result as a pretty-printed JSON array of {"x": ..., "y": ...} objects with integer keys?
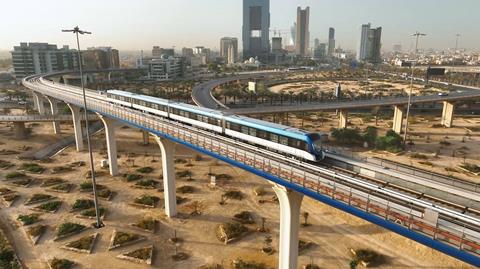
[
  {"x": 417, "y": 35},
  {"x": 77, "y": 31}
]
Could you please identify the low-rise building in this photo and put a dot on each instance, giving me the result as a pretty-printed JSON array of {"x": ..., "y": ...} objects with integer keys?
[{"x": 166, "y": 68}]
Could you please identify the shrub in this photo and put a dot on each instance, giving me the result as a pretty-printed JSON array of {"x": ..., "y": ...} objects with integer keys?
[
  {"x": 52, "y": 181},
  {"x": 148, "y": 183},
  {"x": 365, "y": 255},
  {"x": 223, "y": 177},
  {"x": 230, "y": 230},
  {"x": 240, "y": 264},
  {"x": 147, "y": 200},
  {"x": 50, "y": 206},
  {"x": 81, "y": 204},
  {"x": 105, "y": 193},
  {"x": 185, "y": 173},
  {"x": 91, "y": 212},
  {"x": 32, "y": 167},
  {"x": 88, "y": 186},
  {"x": 22, "y": 182},
  {"x": 15, "y": 175},
  {"x": 146, "y": 224},
  {"x": 36, "y": 230},
  {"x": 5, "y": 164},
  {"x": 29, "y": 219},
  {"x": 370, "y": 135},
  {"x": 61, "y": 169},
  {"x": 391, "y": 142},
  {"x": 185, "y": 189},
  {"x": 145, "y": 170},
  {"x": 198, "y": 158},
  {"x": 10, "y": 197},
  {"x": 132, "y": 177},
  {"x": 349, "y": 137},
  {"x": 61, "y": 263},
  {"x": 244, "y": 217},
  {"x": 69, "y": 227},
  {"x": 180, "y": 161},
  {"x": 122, "y": 238},
  {"x": 84, "y": 243},
  {"x": 233, "y": 194},
  {"x": 142, "y": 253},
  {"x": 37, "y": 197},
  {"x": 64, "y": 187}
]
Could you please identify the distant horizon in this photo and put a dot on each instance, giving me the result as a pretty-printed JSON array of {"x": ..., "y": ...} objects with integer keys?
[{"x": 140, "y": 26}]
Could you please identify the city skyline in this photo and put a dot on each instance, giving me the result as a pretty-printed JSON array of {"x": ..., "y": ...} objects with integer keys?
[{"x": 131, "y": 31}]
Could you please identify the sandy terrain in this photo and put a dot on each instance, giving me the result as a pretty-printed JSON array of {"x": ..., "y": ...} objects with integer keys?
[
  {"x": 354, "y": 87},
  {"x": 332, "y": 231}
]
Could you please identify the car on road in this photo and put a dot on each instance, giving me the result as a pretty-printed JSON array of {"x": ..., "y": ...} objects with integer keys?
[{"x": 442, "y": 94}]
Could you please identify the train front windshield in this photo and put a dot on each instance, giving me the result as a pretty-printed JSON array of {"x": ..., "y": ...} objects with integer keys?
[{"x": 316, "y": 142}]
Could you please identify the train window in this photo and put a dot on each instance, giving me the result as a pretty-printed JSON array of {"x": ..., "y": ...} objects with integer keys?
[
  {"x": 274, "y": 138},
  {"x": 261, "y": 134},
  {"x": 244, "y": 129},
  {"x": 253, "y": 132},
  {"x": 283, "y": 140}
]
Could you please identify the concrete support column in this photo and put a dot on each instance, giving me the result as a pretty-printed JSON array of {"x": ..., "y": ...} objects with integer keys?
[
  {"x": 168, "y": 167},
  {"x": 397, "y": 119},
  {"x": 19, "y": 130},
  {"x": 38, "y": 100},
  {"x": 145, "y": 138},
  {"x": 77, "y": 126},
  {"x": 447, "y": 114},
  {"x": 54, "y": 111},
  {"x": 290, "y": 203},
  {"x": 109, "y": 125},
  {"x": 342, "y": 118}
]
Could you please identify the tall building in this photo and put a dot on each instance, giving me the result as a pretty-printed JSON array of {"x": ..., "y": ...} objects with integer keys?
[
  {"x": 316, "y": 43},
  {"x": 293, "y": 34},
  {"x": 166, "y": 68},
  {"x": 187, "y": 52},
  {"x": 370, "y": 44},
  {"x": 157, "y": 52},
  {"x": 331, "y": 41},
  {"x": 100, "y": 58},
  {"x": 320, "y": 52},
  {"x": 302, "y": 38},
  {"x": 276, "y": 44},
  {"x": 36, "y": 58},
  {"x": 397, "y": 48},
  {"x": 255, "y": 29},
  {"x": 229, "y": 49}
]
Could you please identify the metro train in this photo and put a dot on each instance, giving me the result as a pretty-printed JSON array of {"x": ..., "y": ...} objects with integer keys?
[{"x": 291, "y": 141}]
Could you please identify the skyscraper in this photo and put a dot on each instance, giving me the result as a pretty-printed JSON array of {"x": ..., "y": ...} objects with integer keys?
[
  {"x": 302, "y": 38},
  {"x": 331, "y": 41},
  {"x": 229, "y": 49},
  {"x": 316, "y": 43},
  {"x": 256, "y": 27},
  {"x": 370, "y": 44}
]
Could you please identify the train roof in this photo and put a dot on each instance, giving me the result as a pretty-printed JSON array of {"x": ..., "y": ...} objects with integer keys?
[
  {"x": 186, "y": 107},
  {"x": 199, "y": 110},
  {"x": 268, "y": 126}
]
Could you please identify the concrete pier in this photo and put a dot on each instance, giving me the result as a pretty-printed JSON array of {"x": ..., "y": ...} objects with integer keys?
[
  {"x": 110, "y": 125},
  {"x": 167, "y": 149},
  {"x": 77, "y": 126},
  {"x": 290, "y": 203}
]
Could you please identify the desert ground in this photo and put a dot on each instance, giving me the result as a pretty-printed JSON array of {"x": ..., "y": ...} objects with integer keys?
[{"x": 332, "y": 232}]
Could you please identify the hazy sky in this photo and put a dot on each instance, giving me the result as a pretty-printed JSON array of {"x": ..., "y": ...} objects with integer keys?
[{"x": 140, "y": 24}]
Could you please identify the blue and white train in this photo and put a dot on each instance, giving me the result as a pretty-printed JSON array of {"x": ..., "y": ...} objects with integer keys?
[{"x": 291, "y": 141}]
